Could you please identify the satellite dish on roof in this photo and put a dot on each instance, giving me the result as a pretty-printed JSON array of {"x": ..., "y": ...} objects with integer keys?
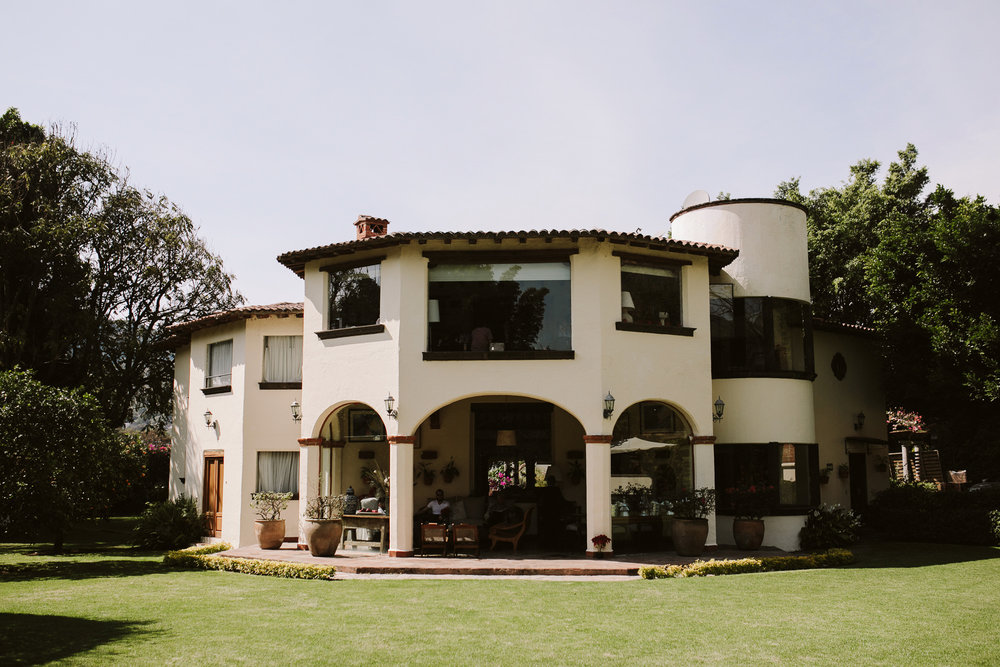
[{"x": 695, "y": 198}]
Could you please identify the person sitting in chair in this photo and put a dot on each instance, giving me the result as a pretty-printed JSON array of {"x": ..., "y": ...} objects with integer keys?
[{"x": 437, "y": 509}]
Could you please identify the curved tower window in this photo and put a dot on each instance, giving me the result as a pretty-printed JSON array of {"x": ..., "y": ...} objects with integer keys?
[{"x": 760, "y": 336}]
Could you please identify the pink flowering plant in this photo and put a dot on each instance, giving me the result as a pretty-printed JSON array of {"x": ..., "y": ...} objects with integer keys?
[
  {"x": 694, "y": 504},
  {"x": 751, "y": 501},
  {"x": 901, "y": 420}
]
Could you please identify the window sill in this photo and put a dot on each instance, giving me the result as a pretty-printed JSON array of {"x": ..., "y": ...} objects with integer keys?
[
  {"x": 346, "y": 332},
  {"x": 224, "y": 389},
  {"x": 655, "y": 328},
  {"x": 506, "y": 355},
  {"x": 785, "y": 375},
  {"x": 279, "y": 385}
]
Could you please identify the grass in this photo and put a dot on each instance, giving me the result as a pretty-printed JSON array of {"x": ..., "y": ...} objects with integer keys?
[{"x": 901, "y": 603}]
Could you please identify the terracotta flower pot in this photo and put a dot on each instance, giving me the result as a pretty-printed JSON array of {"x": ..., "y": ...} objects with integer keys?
[
  {"x": 748, "y": 533},
  {"x": 322, "y": 535},
  {"x": 690, "y": 536},
  {"x": 270, "y": 534}
]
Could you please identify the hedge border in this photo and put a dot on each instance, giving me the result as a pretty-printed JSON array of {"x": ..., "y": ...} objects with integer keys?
[
  {"x": 202, "y": 558},
  {"x": 700, "y": 568}
]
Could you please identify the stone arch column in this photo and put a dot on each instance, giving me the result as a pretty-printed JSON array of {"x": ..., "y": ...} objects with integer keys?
[
  {"x": 598, "y": 449},
  {"x": 401, "y": 495}
]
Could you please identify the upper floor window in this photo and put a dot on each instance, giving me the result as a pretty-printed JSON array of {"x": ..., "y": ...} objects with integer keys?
[
  {"x": 499, "y": 307},
  {"x": 282, "y": 359},
  {"x": 760, "y": 336},
  {"x": 651, "y": 295},
  {"x": 355, "y": 295},
  {"x": 220, "y": 364}
]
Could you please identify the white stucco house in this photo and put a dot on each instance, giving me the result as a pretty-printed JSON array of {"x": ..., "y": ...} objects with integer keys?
[{"x": 500, "y": 350}]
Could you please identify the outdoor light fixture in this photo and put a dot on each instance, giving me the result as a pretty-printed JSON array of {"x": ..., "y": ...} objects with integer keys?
[
  {"x": 720, "y": 407},
  {"x": 209, "y": 422},
  {"x": 389, "y": 402},
  {"x": 296, "y": 411},
  {"x": 609, "y": 405},
  {"x": 860, "y": 423}
]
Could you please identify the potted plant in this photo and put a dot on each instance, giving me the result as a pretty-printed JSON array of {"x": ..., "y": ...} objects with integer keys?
[
  {"x": 269, "y": 526},
  {"x": 751, "y": 503},
  {"x": 377, "y": 481},
  {"x": 449, "y": 471},
  {"x": 690, "y": 525},
  {"x": 322, "y": 525},
  {"x": 425, "y": 472},
  {"x": 600, "y": 543}
]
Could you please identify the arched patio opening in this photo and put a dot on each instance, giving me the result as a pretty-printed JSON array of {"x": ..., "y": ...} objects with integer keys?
[
  {"x": 651, "y": 465},
  {"x": 492, "y": 451},
  {"x": 354, "y": 446}
]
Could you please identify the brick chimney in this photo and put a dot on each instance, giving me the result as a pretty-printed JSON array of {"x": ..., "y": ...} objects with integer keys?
[{"x": 370, "y": 227}]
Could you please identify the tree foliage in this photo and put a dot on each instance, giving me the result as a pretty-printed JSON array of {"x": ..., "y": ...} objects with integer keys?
[
  {"x": 92, "y": 270},
  {"x": 60, "y": 459},
  {"x": 923, "y": 270}
]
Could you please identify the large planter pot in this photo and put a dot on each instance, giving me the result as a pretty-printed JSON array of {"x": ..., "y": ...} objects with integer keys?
[
  {"x": 323, "y": 535},
  {"x": 689, "y": 536},
  {"x": 748, "y": 533},
  {"x": 270, "y": 534}
]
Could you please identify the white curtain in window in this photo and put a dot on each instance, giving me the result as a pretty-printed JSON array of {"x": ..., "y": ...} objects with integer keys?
[
  {"x": 278, "y": 472},
  {"x": 443, "y": 273},
  {"x": 220, "y": 363},
  {"x": 283, "y": 359}
]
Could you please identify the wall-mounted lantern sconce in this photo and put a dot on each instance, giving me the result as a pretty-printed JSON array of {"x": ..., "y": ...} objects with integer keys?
[
  {"x": 209, "y": 421},
  {"x": 296, "y": 411},
  {"x": 609, "y": 405},
  {"x": 860, "y": 423},
  {"x": 720, "y": 407},
  {"x": 389, "y": 403}
]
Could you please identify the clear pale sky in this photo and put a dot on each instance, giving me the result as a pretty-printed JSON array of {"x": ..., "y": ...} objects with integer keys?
[{"x": 273, "y": 125}]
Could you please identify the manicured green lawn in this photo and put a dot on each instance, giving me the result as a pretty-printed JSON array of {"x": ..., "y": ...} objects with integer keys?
[{"x": 901, "y": 603}]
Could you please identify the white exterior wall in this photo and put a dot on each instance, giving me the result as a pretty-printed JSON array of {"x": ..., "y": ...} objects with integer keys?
[
  {"x": 838, "y": 403},
  {"x": 182, "y": 460}
]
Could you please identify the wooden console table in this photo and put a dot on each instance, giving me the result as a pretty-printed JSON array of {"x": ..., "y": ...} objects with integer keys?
[{"x": 379, "y": 522}]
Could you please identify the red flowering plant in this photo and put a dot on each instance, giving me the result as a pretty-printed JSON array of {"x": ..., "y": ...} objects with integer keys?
[
  {"x": 901, "y": 420},
  {"x": 751, "y": 501},
  {"x": 600, "y": 541}
]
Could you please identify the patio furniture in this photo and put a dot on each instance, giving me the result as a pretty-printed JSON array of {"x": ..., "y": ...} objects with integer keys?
[
  {"x": 352, "y": 522},
  {"x": 465, "y": 537},
  {"x": 433, "y": 536},
  {"x": 510, "y": 532}
]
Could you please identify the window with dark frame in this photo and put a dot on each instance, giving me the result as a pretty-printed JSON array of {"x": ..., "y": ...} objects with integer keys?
[
  {"x": 354, "y": 296},
  {"x": 499, "y": 306},
  {"x": 760, "y": 336},
  {"x": 651, "y": 295},
  {"x": 789, "y": 467}
]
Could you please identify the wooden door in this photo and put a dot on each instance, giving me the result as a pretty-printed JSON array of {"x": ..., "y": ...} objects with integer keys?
[{"x": 212, "y": 495}]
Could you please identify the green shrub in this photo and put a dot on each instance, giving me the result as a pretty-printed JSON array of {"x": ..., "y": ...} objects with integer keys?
[
  {"x": 995, "y": 525},
  {"x": 831, "y": 558},
  {"x": 203, "y": 558},
  {"x": 918, "y": 511},
  {"x": 829, "y": 526},
  {"x": 170, "y": 524}
]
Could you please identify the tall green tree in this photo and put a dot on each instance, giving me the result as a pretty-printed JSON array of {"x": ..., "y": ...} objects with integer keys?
[
  {"x": 923, "y": 270},
  {"x": 92, "y": 270}
]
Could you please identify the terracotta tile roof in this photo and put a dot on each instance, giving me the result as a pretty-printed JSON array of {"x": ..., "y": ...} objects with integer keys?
[
  {"x": 180, "y": 333},
  {"x": 719, "y": 256}
]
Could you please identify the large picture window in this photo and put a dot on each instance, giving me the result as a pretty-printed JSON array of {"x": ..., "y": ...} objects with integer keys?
[
  {"x": 760, "y": 336},
  {"x": 220, "y": 365},
  {"x": 786, "y": 466},
  {"x": 651, "y": 295},
  {"x": 278, "y": 472},
  {"x": 355, "y": 295},
  {"x": 499, "y": 307},
  {"x": 282, "y": 359}
]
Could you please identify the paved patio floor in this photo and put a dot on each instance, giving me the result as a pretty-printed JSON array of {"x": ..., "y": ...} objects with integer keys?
[{"x": 532, "y": 564}]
